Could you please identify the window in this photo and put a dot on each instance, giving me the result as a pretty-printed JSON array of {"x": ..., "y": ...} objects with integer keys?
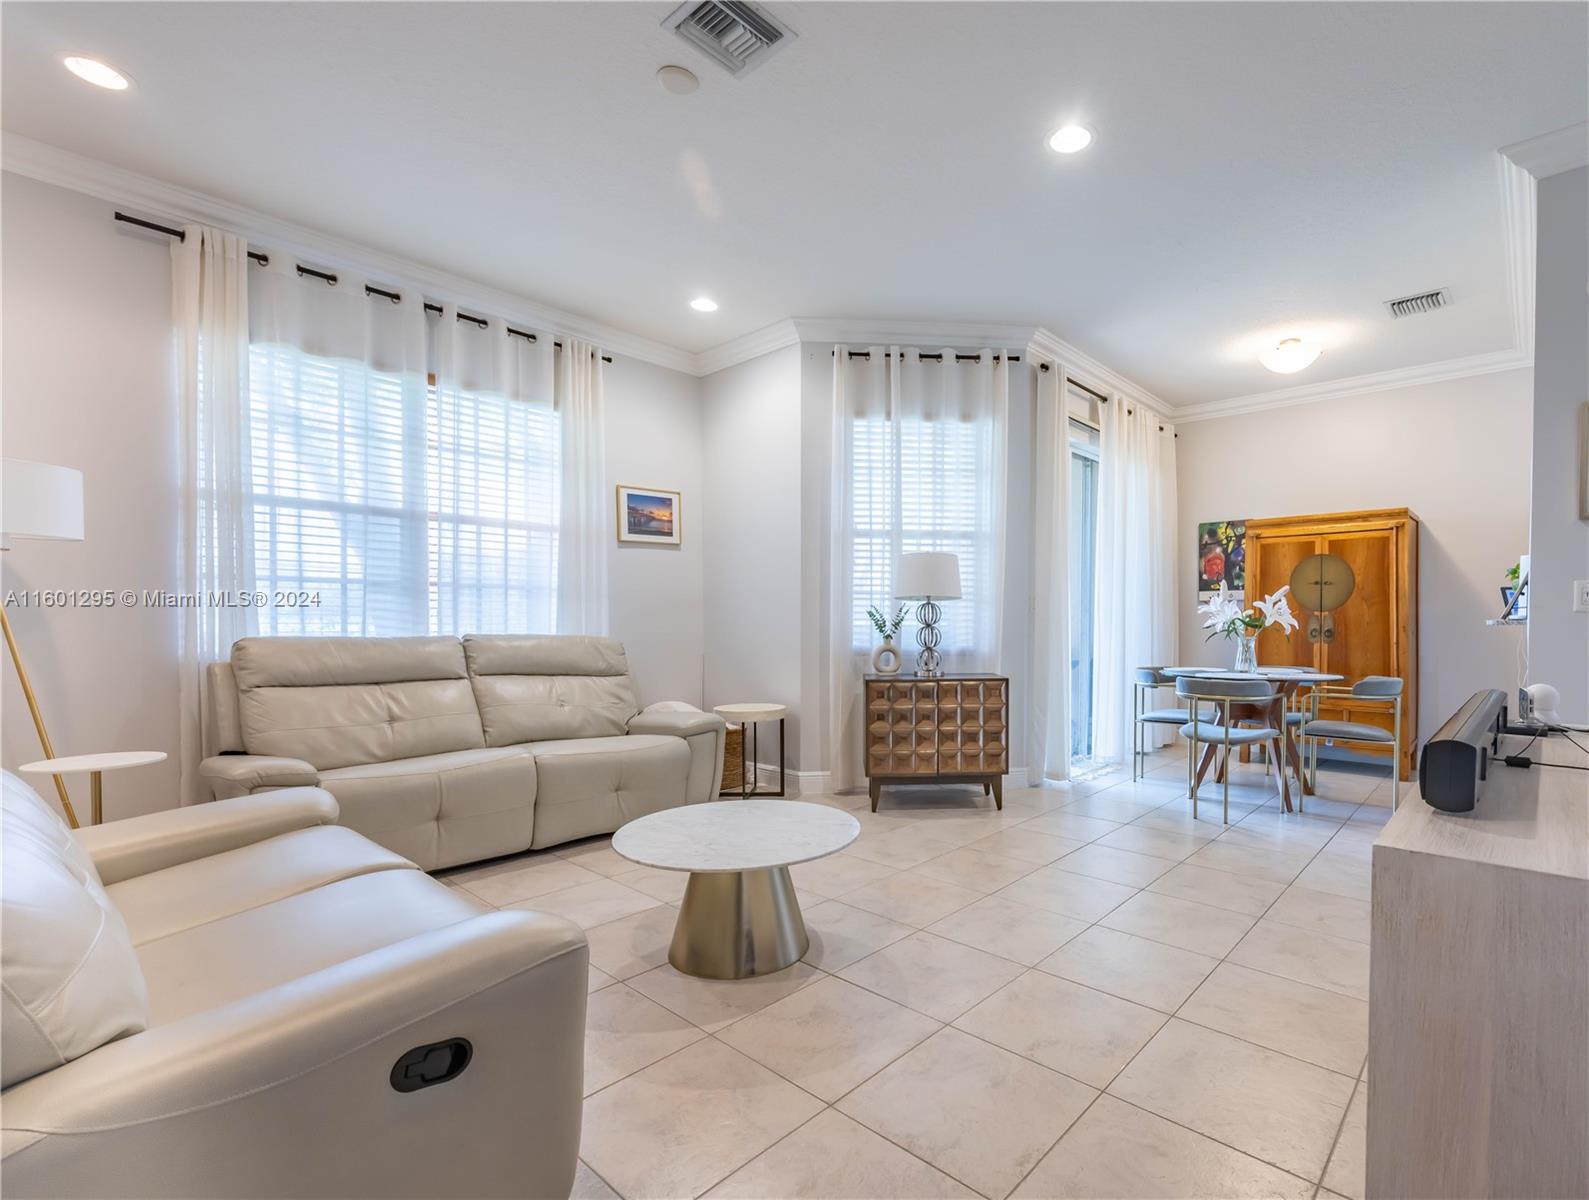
[
  {"x": 1083, "y": 568},
  {"x": 917, "y": 485},
  {"x": 406, "y": 509}
]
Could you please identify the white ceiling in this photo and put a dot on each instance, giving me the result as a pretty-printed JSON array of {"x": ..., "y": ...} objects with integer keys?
[{"x": 1259, "y": 168}]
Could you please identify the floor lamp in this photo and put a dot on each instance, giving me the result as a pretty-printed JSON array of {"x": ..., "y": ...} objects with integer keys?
[{"x": 41, "y": 501}]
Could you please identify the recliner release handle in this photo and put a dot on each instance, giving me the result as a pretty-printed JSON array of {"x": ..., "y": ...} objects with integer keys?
[{"x": 424, "y": 1066}]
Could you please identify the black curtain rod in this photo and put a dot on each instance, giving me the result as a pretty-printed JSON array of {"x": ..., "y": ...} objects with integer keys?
[
  {"x": 867, "y": 354},
  {"x": 369, "y": 289}
]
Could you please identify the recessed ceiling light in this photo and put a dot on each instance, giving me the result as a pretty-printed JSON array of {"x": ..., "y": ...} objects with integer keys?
[
  {"x": 91, "y": 70},
  {"x": 703, "y": 304},
  {"x": 681, "y": 81},
  {"x": 1290, "y": 355},
  {"x": 1070, "y": 138}
]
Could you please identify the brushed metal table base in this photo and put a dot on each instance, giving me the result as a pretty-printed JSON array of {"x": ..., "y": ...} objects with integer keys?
[{"x": 738, "y": 924}]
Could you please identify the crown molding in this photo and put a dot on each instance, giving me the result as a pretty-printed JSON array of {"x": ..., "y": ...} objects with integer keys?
[
  {"x": 166, "y": 202},
  {"x": 746, "y": 347},
  {"x": 870, "y": 331},
  {"x": 1552, "y": 153},
  {"x": 1085, "y": 369},
  {"x": 1358, "y": 385}
]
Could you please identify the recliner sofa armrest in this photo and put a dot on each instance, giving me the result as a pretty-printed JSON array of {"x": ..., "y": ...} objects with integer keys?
[
  {"x": 231, "y": 775},
  {"x": 677, "y": 722},
  {"x": 293, "y": 1083},
  {"x": 139, "y": 845}
]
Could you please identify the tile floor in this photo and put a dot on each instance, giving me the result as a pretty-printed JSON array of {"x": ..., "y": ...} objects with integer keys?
[{"x": 1089, "y": 994}]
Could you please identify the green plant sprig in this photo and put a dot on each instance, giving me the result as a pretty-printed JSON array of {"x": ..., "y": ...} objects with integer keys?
[{"x": 885, "y": 626}]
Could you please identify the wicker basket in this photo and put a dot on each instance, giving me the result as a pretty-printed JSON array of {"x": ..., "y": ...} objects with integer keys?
[{"x": 734, "y": 759}]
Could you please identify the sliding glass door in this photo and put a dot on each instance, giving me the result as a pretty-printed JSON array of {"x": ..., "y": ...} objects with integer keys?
[{"x": 1083, "y": 565}]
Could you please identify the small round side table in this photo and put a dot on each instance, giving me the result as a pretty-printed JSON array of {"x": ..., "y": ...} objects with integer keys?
[
  {"x": 95, "y": 765},
  {"x": 746, "y": 716}
]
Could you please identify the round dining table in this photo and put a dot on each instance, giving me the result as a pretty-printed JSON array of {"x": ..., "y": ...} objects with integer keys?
[{"x": 1286, "y": 680}]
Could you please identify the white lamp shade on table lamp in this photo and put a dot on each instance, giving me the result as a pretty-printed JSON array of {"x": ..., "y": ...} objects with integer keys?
[
  {"x": 927, "y": 575},
  {"x": 38, "y": 500}
]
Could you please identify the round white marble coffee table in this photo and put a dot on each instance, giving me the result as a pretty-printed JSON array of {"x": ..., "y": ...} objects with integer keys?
[{"x": 739, "y": 916}]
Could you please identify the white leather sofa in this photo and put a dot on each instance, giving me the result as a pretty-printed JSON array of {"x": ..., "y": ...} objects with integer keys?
[
  {"x": 451, "y": 750},
  {"x": 214, "y": 1001}
]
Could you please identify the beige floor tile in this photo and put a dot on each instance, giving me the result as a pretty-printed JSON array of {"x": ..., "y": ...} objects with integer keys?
[
  {"x": 838, "y": 873},
  {"x": 1338, "y": 874},
  {"x": 911, "y": 898},
  {"x": 841, "y": 935},
  {"x": 829, "y": 1037},
  {"x": 1318, "y": 1026},
  {"x": 624, "y": 1032},
  {"x": 1028, "y": 845},
  {"x": 981, "y": 1114},
  {"x": 1010, "y": 930},
  {"x": 1120, "y": 1152},
  {"x": 1238, "y": 893},
  {"x": 831, "y": 1157},
  {"x": 1108, "y": 806},
  {"x": 1315, "y": 958},
  {"x": 522, "y": 877},
  {"x": 1117, "y": 866},
  {"x": 590, "y": 1186},
  {"x": 1063, "y": 1025},
  {"x": 1347, "y": 1173},
  {"x": 1269, "y": 1105},
  {"x": 1134, "y": 968},
  {"x": 595, "y": 855},
  {"x": 666, "y": 886},
  {"x": 932, "y": 974},
  {"x": 976, "y": 870},
  {"x": 634, "y": 943},
  {"x": 1354, "y": 840},
  {"x": 684, "y": 1123},
  {"x": 1301, "y": 830},
  {"x": 591, "y": 904},
  {"x": 1173, "y": 844},
  {"x": 1322, "y": 912},
  {"x": 1070, "y": 825},
  {"x": 1260, "y": 862},
  {"x": 1064, "y": 892},
  {"x": 714, "y": 1004},
  {"x": 900, "y": 848},
  {"x": 1200, "y": 928},
  {"x": 597, "y": 979}
]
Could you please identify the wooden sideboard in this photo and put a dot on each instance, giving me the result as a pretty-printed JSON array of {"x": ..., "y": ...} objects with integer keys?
[
  {"x": 952, "y": 729},
  {"x": 1374, "y": 633}
]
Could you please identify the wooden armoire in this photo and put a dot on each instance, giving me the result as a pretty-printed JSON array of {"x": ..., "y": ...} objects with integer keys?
[{"x": 1375, "y": 631}]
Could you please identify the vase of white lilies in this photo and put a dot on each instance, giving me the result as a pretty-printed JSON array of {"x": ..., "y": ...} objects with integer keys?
[{"x": 1227, "y": 617}]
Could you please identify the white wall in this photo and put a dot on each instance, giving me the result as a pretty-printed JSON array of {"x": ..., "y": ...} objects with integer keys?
[
  {"x": 1456, "y": 453},
  {"x": 1558, "y": 638},
  {"x": 752, "y": 489},
  {"x": 86, "y": 383}
]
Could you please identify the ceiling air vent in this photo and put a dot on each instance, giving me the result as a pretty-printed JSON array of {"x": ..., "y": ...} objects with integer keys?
[
  {"x": 730, "y": 32},
  {"x": 1423, "y": 302}
]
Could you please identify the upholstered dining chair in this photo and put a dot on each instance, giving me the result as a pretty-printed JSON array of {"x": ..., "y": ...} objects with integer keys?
[
  {"x": 1263, "y": 721},
  {"x": 1149, "y": 680},
  {"x": 1370, "y": 690}
]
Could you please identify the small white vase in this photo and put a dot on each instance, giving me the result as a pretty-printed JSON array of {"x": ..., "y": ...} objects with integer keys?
[
  {"x": 1246, "y": 652},
  {"x": 885, "y": 659}
]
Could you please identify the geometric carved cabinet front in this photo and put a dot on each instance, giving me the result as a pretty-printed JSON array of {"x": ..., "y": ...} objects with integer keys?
[{"x": 954, "y": 728}]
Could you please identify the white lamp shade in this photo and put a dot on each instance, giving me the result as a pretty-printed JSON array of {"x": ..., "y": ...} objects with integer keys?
[
  {"x": 41, "y": 501},
  {"x": 931, "y": 574}
]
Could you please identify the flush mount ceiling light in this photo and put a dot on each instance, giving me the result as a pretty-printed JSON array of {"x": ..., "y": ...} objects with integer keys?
[
  {"x": 681, "y": 81},
  {"x": 91, "y": 70},
  {"x": 1068, "y": 139},
  {"x": 703, "y": 304},
  {"x": 1290, "y": 355}
]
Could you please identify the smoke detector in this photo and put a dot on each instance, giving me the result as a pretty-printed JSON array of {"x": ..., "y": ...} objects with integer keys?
[
  {"x": 735, "y": 35},
  {"x": 1420, "y": 302}
]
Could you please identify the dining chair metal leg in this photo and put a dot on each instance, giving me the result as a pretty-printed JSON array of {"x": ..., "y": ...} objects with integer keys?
[{"x": 1191, "y": 769}]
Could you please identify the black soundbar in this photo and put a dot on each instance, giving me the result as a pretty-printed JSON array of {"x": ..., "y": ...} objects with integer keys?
[{"x": 1456, "y": 761}]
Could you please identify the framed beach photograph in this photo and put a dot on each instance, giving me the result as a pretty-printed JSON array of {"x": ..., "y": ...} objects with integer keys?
[{"x": 648, "y": 515}]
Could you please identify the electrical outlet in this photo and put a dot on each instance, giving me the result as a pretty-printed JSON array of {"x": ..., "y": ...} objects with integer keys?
[{"x": 1580, "y": 595}]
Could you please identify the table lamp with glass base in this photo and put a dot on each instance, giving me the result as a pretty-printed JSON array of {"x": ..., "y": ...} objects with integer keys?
[{"x": 927, "y": 577}]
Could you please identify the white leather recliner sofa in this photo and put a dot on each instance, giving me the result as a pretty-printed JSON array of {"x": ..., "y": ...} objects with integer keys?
[
  {"x": 244, "y": 999},
  {"x": 451, "y": 750}
]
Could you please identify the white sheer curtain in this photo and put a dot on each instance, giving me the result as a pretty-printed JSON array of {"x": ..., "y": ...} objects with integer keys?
[
  {"x": 919, "y": 463},
  {"x": 1135, "y": 596},
  {"x": 587, "y": 512},
  {"x": 1048, "y": 729},
  {"x": 209, "y": 277}
]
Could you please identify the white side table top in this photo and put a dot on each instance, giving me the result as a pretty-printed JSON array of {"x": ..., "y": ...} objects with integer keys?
[
  {"x": 751, "y": 712},
  {"x": 115, "y": 760},
  {"x": 736, "y": 835}
]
